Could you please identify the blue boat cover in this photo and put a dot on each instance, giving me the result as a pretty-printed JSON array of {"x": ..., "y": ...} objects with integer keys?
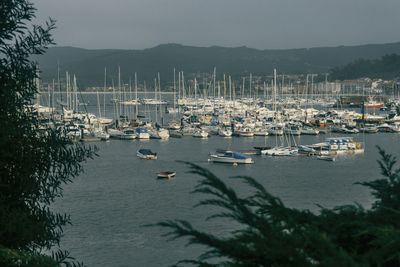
[
  {"x": 146, "y": 152},
  {"x": 141, "y": 130},
  {"x": 237, "y": 155}
]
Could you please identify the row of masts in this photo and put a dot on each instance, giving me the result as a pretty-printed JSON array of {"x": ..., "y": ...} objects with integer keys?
[{"x": 126, "y": 98}]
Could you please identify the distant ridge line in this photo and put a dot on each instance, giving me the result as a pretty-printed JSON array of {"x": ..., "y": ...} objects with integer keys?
[{"x": 89, "y": 64}]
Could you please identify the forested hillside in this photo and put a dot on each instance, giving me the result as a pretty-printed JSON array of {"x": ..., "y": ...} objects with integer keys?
[{"x": 89, "y": 65}]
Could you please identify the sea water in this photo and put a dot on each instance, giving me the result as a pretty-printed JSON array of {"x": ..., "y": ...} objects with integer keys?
[{"x": 118, "y": 194}]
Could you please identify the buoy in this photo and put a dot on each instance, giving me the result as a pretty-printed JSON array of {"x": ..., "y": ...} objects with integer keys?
[
  {"x": 393, "y": 138},
  {"x": 235, "y": 164}
]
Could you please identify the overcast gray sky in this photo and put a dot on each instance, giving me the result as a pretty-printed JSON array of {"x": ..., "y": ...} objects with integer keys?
[{"x": 262, "y": 24}]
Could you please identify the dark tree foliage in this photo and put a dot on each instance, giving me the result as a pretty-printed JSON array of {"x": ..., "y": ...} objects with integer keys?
[
  {"x": 34, "y": 162},
  {"x": 386, "y": 67},
  {"x": 274, "y": 235}
]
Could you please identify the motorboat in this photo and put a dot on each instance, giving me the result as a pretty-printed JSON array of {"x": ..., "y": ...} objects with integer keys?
[
  {"x": 326, "y": 157},
  {"x": 166, "y": 175},
  {"x": 246, "y": 132},
  {"x": 280, "y": 151},
  {"x": 99, "y": 133},
  {"x": 388, "y": 128},
  {"x": 260, "y": 132},
  {"x": 224, "y": 132},
  {"x": 368, "y": 128},
  {"x": 187, "y": 131},
  {"x": 142, "y": 133},
  {"x": 341, "y": 145},
  {"x": 372, "y": 103},
  {"x": 175, "y": 133},
  {"x": 146, "y": 154},
  {"x": 159, "y": 134},
  {"x": 345, "y": 130},
  {"x": 292, "y": 130},
  {"x": 174, "y": 125},
  {"x": 231, "y": 157},
  {"x": 309, "y": 130},
  {"x": 127, "y": 134},
  {"x": 275, "y": 130},
  {"x": 200, "y": 133}
]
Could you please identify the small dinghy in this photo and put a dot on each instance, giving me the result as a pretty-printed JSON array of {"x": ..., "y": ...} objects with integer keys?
[
  {"x": 166, "y": 175},
  {"x": 326, "y": 157},
  {"x": 146, "y": 154}
]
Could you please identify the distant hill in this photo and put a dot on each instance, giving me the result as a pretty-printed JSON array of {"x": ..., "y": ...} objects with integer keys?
[
  {"x": 89, "y": 65},
  {"x": 386, "y": 67}
]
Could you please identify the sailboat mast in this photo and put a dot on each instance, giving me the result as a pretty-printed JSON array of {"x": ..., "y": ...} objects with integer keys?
[
  {"x": 250, "y": 86},
  {"x": 264, "y": 90},
  {"x": 215, "y": 73},
  {"x": 219, "y": 90},
  {"x": 104, "y": 96},
  {"x": 243, "y": 81},
  {"x": 67, "y": 88},
  {"x": 230, "y": 88},
  {"x": 58, "y": 80},
  {"x": 136, "y": 97},
  {"x": 179, "y": 86},
  {"x": 174, "y": 89},
  {"x": 183, "y": 86},
  {"x": 98, "y": 102},
  {"x": 224, "y": 88},
  {"x": 275, "y": 91},
  {"x": 195, "y": 91},
  {"x": 75, "y": 96}
]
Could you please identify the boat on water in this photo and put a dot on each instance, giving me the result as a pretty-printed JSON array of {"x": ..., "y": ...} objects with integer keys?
[
  {"x": 345, "y": 129},
  {"x": 231, "y": 157},
  {"x": 175, "y": 134},
  {"x": 388, "y": 128},
  {"x": 372, "y": 103},
  {"x": 292, "y": 130},
  {"x": 275, "y": 130},
  {"x": 224, "y": 132},
  {"x": 307, "y": 130},
  {"x": 166, "y": 175},
  {"x": 127, "y": 134},
  {"x": 159, "y": 134},
  {"x": 326, "y": 158},
  {"x": 146, "y": 154},
  {"x": 99, "y": 133},
  {"x": 199, "y": 133},
  {"x": 280, "y": 151},
  {"x": 173, "y": 125},
  {"x": 368, "y": 128},
  {"x": 142, "y": 133},
  {"x": 260, "y": 132},
  {"x": 342, "y": 145},
  {"x": 246, "y": 132}
]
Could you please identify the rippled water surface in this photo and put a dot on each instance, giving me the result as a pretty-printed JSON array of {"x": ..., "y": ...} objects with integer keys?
[{"x": 119, "y": 193}]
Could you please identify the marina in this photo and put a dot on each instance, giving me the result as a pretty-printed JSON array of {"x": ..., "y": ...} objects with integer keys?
[
  {"x": 318, "y": 166},
  {"x": 307, "y": 151},
  {"x": 282, "y": 118}
]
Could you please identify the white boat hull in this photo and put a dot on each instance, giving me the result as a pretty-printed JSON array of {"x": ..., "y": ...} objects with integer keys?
[{"x": 222, "y": 159}]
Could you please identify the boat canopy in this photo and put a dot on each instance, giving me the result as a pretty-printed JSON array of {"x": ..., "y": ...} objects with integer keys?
[
  {"x": 146, "y": 152},
  {"x": 129, "y": 131},
  {"x": 141, "y": 130},
  {"x": 236, "y": 155}
]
